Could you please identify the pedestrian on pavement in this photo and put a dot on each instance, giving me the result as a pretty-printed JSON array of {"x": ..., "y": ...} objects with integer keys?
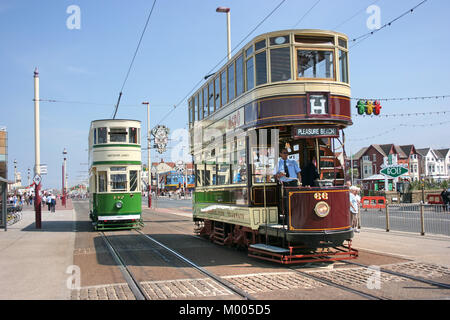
[
  {"x": 53, "y": 203},
  {"x": 49, "y": 201},
  {"x": 44, "y": 200},
  {"x": 445, "y": 199},
  {"x": 354, "y": 207}
]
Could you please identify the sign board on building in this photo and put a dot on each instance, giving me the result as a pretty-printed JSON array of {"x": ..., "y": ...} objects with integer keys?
[{"x": 394, "y": 171}]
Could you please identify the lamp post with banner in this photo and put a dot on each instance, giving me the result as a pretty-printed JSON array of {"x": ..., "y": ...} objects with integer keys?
[{"x": 149, "y": 164}]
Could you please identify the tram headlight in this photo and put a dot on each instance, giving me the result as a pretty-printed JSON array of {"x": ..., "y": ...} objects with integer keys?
[
  {"x": 322, "y": 209},
  {"x": 119, "y": 204}
]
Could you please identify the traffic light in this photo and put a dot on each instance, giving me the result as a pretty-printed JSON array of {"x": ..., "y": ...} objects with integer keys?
[
  {"x": 368, "y": 107},
  {"x": 361, "y": 106}
]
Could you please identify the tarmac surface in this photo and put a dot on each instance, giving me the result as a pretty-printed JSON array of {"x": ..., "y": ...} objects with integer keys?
[{"x": 37, "y": 263}]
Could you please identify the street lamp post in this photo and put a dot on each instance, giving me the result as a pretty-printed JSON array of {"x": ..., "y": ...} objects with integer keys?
[
  {"x": 149, "y": 165},
  {"x": 15, "y": 174},
  {"x": 37, "y": 151},
  {"x": 63, "y": 202},
  {"x": 227, "y": 11}
]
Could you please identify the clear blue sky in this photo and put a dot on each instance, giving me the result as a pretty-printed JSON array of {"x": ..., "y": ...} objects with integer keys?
[{"x": 184, "y": 40}]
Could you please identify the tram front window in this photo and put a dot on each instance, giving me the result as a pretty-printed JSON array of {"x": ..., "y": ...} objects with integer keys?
[
  {"x": 117, "y": 135},
  {"x": 315, "y": 64},
  {"x": 133, "y": 135},
  {"x": 118, "y": 180}
]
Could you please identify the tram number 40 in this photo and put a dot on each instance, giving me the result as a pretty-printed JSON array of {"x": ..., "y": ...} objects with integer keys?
[{"x": 321, "y": 196}]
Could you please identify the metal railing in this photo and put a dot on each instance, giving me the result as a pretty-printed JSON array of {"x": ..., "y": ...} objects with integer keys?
[{"x": 411, "y": 217}]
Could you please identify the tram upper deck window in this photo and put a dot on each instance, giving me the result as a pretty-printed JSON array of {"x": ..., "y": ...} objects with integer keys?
[
  {"x": 133, "y": 135},
  {"x": 223, "y": 85},
  {"x": 102, "y": 134},
  {"x": 342, "y": 42},
  {"x": 231, "y": 82},
  {"x": 260, "y": 44},
  {"x": 239, "y": 75},
  {"x": 217, "y": 93},
  {"x": 261, "y": 68},
  {"x": 314, "y": 40},
  {"x": 250, "y": 73},
  {"x": 117, "y": 134},
  {"x": 343, "y": 65},
  {"x": 211, "y": 97},
  {"x": 315, "y": 64},
  {"x": 205, "y": 102},
  {"x": 280, "y": 64},
  {"x": 119, "y": 179}
]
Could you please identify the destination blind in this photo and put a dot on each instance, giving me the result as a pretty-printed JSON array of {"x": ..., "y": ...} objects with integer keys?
[{"x": 316, "y": 132}]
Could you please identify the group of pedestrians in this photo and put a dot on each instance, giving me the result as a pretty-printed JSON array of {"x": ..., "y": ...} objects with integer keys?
[{"x": 50, "y": 201}]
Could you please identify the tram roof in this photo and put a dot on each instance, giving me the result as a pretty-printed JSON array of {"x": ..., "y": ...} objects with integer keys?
[
  {"x": 301, "y": 31},
  {"x": 115, "y": 120}
]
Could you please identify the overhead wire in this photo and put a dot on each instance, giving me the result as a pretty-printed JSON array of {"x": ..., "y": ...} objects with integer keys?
[
  {"x": 213, "y": 68},
  {"x": 132, "y": 60},
  {"x": 400, "y": 125},
  {"x": 307, "y": 12},
  {"x": 354, "y": 15},
  {"x": 363, "y": 37}
]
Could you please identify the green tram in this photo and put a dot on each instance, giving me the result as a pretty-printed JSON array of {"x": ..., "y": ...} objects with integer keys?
[
  {"x": 283, "y": 90},
  {"x": 115, "y": 200}
]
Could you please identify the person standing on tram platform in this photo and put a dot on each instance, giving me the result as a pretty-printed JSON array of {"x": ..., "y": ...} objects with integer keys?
[{"x": 287, "y": 170}]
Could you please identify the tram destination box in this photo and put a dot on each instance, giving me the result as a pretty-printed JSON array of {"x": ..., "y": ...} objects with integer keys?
[{"x": 315, "y": 132}]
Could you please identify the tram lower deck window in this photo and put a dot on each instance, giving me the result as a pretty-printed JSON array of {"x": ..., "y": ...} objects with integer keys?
[
  {"x": 133, "y": 180},
  {"x": 118, "y": 180},
  {"x": 102, "y": 182}
]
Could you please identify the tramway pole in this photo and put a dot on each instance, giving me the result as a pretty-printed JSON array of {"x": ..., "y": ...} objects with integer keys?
[
  {"x": 63, "y": 202},
  {"x": 227, "y": 11},
  {"x": 37, "y": 151},
  {"x": 149, "y": 165}
]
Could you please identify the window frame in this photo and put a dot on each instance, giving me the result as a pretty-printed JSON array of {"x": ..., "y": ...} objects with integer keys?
[{"x": 329, "y": 49}]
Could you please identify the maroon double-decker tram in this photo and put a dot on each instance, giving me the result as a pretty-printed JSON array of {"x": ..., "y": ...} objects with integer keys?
[{"x": 284, "y": 90}]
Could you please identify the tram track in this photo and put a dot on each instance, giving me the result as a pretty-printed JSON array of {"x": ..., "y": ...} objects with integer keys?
[
  {"x": 339, "y": 286},
  {"x": 403, "y": 275},
  {"x": 136, "y": 287}
]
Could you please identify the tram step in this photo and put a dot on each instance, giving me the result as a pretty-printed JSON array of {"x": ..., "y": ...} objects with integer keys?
[{"x": 266, "y": 247}]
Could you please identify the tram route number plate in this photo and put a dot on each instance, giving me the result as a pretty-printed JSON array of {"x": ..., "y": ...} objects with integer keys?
[{"x": 316, "y": 132}]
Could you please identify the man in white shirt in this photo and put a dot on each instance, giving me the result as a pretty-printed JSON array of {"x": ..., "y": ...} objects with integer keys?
[
  {"x": 354, "y": 207},
  {"x": 287, "y": 170}
]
